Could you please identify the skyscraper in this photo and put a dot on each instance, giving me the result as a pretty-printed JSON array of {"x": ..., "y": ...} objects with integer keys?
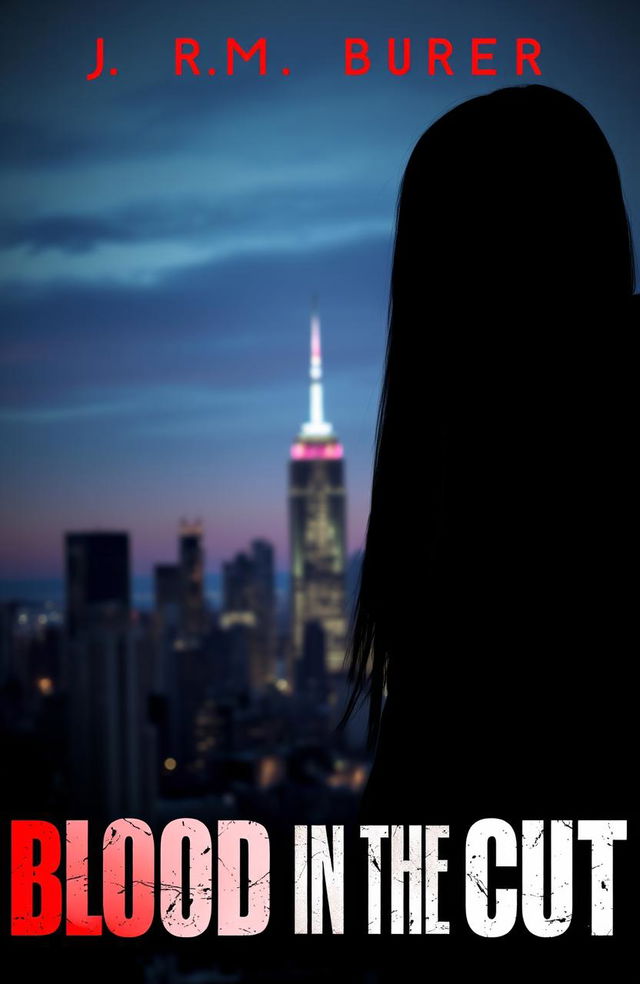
[
  {"x": 97, "y": 579},
  {"x": 167, "y": 594},
  {"x": 317, "y": 526},
  {"x": 107, "y": 739},
  {"x": 191, "y": 559},
  {"x": 249, "y": 604}
]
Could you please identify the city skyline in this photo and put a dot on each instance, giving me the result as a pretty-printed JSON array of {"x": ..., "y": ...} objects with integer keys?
[
  {"x": 218, "y": 548},
  {"x": 316, "y": 429}
]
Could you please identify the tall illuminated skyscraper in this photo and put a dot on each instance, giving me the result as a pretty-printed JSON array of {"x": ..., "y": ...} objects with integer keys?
[{"x": 317, "y": 528}]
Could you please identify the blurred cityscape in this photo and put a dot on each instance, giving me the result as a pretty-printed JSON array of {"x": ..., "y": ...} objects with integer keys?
[{"x": 185, "y": 707}]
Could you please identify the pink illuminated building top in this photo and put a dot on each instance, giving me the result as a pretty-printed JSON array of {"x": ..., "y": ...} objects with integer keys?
[
  {"x": 316, "y": 440},
  {"x": 309, "y": 451}
]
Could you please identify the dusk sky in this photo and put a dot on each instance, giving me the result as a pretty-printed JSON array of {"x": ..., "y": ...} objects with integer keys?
[{"x": 162, "y": 237}]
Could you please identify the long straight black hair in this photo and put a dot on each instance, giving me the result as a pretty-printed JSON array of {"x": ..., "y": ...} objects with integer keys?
[{"x": 511, "y": 235}]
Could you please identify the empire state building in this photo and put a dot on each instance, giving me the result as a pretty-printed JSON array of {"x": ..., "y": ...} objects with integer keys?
[{"x": 317, "y": 526}]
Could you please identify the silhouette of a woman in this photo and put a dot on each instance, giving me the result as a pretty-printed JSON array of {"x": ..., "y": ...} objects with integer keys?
[{"x": 496, "y": 598}]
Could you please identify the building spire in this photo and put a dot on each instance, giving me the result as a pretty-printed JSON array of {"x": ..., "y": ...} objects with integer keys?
[{"x": 316, "y": 426}]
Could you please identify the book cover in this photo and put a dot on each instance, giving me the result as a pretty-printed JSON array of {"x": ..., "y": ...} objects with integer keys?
[{"x": 317, "y": 567}]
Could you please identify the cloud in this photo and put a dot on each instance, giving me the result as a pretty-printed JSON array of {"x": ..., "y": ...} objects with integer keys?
[
  {"x": 123, "y": 399},
  {"x": 140, "y": 264},
  {"x": 81, "y": 259}
]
